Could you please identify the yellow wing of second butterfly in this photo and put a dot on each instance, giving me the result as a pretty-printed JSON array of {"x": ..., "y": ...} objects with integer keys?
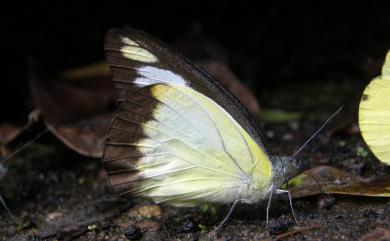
[
  {"x": 374, "y": 114},
  {"x": 186, "y": 150}
]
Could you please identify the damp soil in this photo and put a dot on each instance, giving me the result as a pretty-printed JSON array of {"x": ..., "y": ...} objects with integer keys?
[{"x": 55, "y": 194}]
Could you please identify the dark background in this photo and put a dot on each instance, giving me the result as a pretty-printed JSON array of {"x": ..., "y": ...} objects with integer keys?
[
  {"x": 305, "y": 58},
  {"x": 267, "y": 45}
]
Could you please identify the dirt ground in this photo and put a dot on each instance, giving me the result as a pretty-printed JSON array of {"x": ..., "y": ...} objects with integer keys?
[{"x": 55, "y": 194}]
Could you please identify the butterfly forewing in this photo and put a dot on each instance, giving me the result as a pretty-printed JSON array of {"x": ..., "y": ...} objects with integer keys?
[{"x": 158, "y": 58}]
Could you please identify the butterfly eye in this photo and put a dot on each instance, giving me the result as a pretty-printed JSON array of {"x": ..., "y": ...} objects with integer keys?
[{"x": 295, "y": 162}]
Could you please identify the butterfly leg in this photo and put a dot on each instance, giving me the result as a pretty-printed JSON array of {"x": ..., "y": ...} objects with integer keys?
[
  {"x": 278, "y": 191},
  {"x": 2, "y": 202},
  {"x": 227, "y": 216},
  {"x": 271, "y": 191}
]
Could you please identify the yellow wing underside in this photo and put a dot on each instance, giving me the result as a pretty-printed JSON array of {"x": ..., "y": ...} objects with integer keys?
[
  {"x": 192, "y": 151},
  {"x": 374, "y": 114}
]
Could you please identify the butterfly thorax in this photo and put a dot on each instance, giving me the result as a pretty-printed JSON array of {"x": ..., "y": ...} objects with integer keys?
[
  {"x": 256, "y": 182},
  {"x": 254, "y": 192}
]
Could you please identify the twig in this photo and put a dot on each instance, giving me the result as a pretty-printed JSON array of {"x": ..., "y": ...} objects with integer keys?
[{"x": 296, "y": 231}]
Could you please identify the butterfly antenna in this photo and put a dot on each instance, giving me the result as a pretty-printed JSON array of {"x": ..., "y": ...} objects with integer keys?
[
  {"x": 2, "y": 202},
  {"x": 24, "y": 146},
  {"x": 270, "y": 191},
  {"x": 315, "y": 179},
  {"x": 315, "y": 133}
]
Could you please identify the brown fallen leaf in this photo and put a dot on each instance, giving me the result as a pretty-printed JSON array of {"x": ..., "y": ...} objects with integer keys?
[
  {"x": 75, "y": 106},
  {"x": 148, "y": 225},
  {"x": 149, "y": 211},
  {"x": 76, "y": 223},
  {"x": 86, "y": 136},
  {"x": 212, "y": 57},
  {"x": 330, "y": 180},
  {"x": 20, "y": 138},
  {"x": 294, "y": 232},
  {"x": 64, "y": 100},
  {"x": 7, "y": 133},
  {"x": 94, "y": 70},
  {"x": 379, "y": 234},
  {"x": 224, "y": 75}
]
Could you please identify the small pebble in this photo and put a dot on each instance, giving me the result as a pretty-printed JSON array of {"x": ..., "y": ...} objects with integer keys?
[
  {"x": 225, "y": 237},
  {"x": 133, "y": 233},
  {"x": 379, "y": 234},
  {"x": 149, "y": 211},
  {"x": 279, "y": 225},
  {"x": 369, "y": 213},
  {"x": 53, "y": 216},
  {"x": 288, "y": 137},
  {"x": 294, "y": 125},
  {"x": 35, "y": 238},
  {"x": 270, "y": 134},
  {"x": 189, "y": 226},
  {"x": 326, "y": 201},
  {"x": 381, "y": 214},
  {"x": 149, "y": 225}
]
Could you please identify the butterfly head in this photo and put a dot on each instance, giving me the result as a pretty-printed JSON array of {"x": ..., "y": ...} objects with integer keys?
[{"x": 284, "y": 169}]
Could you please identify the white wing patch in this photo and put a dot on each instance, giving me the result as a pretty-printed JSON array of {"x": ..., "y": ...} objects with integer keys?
[
  {"x": 134, "y": 51},
  {"x": 128, "y": 41},
  {"x": 154, "y": 75}
]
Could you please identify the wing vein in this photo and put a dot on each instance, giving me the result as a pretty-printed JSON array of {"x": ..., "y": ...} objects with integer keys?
[{"x": 213, "y": 123}]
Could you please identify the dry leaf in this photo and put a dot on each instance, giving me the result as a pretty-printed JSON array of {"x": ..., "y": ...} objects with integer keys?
[
  {"x": 8, "y": 132},
  {"x": 378, "y": 234},
  {"x": 86, "y": 136},
  {"x": 335, "y": 181},
  {"x": 65, "y": 100},
  {"x": 230, "y": 81},
  {"x": 74, "y": 107}
]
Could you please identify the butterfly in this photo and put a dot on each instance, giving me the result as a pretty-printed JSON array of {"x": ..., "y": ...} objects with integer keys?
[
  {"x": 374, "y": 114},
  {"x": 178, "y": 136}
]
